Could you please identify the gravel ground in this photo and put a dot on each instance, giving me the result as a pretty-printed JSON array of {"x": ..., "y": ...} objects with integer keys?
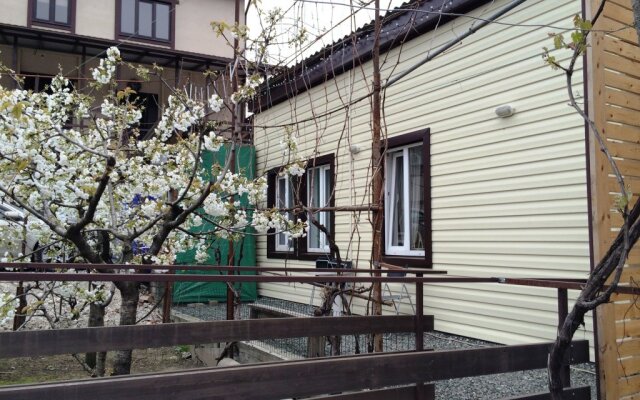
[{"x": 486, "y": 387}]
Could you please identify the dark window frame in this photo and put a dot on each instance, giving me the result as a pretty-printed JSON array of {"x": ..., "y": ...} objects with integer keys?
[
  {"x": 148, "y": 39},
  {"x": 51, "y": 22},
  {"x": 299, "y": 249},
  {"x": 421, "y": 136}
]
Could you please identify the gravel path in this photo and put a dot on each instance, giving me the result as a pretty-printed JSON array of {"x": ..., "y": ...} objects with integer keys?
[{"x": 486, "y": 387}]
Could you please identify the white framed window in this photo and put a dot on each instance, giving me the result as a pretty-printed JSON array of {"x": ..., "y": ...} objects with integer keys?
[
  {"x": 319, "y": 195},
  {"x": 284, "y": 200},
  {"x": 404, "y": 201}
]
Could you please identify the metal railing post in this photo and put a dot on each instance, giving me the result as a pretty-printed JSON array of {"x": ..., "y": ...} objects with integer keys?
[
  {"x": 563, "y": 311},
  {"x": 419, "y": 334}
]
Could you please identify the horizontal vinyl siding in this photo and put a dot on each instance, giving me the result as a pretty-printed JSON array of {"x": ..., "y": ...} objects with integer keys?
[{"x": 509, "y": 195}]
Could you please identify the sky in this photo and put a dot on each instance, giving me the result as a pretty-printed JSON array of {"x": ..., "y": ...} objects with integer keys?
[{"x": 325, "y": 21}]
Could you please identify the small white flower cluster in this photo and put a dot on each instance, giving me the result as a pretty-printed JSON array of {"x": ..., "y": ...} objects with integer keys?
[
  {"x": 296, "y": 168},
  {"x": 8, "y": 304},
  {"x": 273, "y": 219},
  {"x": 212, "y": 142},
  {"x": 215, "y": 103},
  {"x": 248, "y": 90},
  {"x": 180, "y": 114},
  {"x": 289, "y": 144},
  {"x": 202, "y": 254},
  {"x": 103, "y": 74}
]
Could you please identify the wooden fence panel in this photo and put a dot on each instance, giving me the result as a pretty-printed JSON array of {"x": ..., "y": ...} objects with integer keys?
[
  {"x": 614, "y": 69},
  {"x": 82, "y": 340},
  {"x": 314, "y": 377}
]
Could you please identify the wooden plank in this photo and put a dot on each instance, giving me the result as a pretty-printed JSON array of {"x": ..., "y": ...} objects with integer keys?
[
  {"x": 578, "y": 393},
  {"x": 399, "y": 393},
  {"x": 304, "y": 377},
  {"x": 626, "y": 150},
  {"x": 622, "y": 99},
  {"x": 626, "y": 329},
  {"x": 82, "y": 340},
  {"x": 622, "y": 81},
  {"x": 628, "y": 366},
  {"x": 626, "y": 133},
  {"x": 629, "y": 385},
  {"x": 622, "y": 48},
  {"x": 627, "y": 311},
  {"x": 622, "y": 3},
  {"x": 620, "y": 64},
  {"x": 618, "y": 13},
  {"x": 622, "y": 115},
  {"x": 629, "y": 347},
  {"x": 608, "y": 355},
  {"x": 618, "y": 29}
]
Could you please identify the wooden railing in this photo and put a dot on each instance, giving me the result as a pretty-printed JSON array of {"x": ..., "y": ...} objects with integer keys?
[{"x": 401, "y": 375}]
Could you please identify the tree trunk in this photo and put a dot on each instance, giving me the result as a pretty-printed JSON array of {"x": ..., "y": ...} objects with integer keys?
[
  {"x": 96, "y": 319},
  {"x": 591, "y": 295},
  {"x": 129, "y": 292}
]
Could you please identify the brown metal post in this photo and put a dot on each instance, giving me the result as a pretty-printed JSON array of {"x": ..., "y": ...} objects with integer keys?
[
  {"x": 419, "y": 314},
  {"x": 168, "y": 299},
  {"x": 563, "y": 311},
  {"x": 420, "y": 388}
]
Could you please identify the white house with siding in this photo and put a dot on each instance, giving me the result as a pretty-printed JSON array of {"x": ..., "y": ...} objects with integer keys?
[{"x": 508, "y": 195}]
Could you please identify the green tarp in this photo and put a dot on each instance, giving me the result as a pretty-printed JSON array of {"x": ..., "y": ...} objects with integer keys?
[{"x": 244, "y": 249}]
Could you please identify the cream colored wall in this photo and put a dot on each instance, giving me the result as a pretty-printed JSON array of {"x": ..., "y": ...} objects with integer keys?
[
  {"x": 13, "y": 12},
  {"x": 193, "y": 22},
  {"x": 96, "y": 18},
  {"x": 509, "y": 195}
]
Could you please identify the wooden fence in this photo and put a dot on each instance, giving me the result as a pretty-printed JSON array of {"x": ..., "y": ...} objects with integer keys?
[
  {"x": 613, "y": 67},
  {"x": 400, "y": 375}
]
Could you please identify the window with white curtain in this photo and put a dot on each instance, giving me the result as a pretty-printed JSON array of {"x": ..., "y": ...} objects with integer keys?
[
  {"x": 319, "y": 195},
  {"x": 284, "y": 200},
  {"x": 404, "y": 201}
]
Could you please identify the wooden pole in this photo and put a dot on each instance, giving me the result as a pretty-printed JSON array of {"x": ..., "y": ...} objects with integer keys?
[{"x": 377, "y": 184}]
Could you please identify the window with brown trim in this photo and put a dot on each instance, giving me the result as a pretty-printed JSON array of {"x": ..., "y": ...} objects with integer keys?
[
  {"x": 146, "y": 19},
  {"x": 407, "y": 200},
  {"x": 315, "y": 189},
  {"x": 54, "y": 13}
]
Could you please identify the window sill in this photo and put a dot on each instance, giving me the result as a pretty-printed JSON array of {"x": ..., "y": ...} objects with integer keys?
[
  {"x": 51, "y": 25},
  {"x": 414, "y": 262},
  {"x": 281, "y": 255},
  {"x": 123, "y": 37}
]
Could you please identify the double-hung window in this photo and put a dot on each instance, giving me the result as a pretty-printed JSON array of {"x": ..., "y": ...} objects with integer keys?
[
  {"x": 284, "y": 201},
  {"x": 407, "y": 200},
  {"x": 314, "y": 190},
  {"x": 319, "y": 195},
  {"x": 146, "y": 19},
  {"x": 52, "y": 12}
]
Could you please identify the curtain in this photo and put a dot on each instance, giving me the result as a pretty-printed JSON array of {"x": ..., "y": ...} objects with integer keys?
[{"x": 416, "y": 198}]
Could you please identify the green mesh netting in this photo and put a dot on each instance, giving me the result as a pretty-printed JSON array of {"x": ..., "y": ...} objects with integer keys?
[{"x": 244, "y": 249}]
